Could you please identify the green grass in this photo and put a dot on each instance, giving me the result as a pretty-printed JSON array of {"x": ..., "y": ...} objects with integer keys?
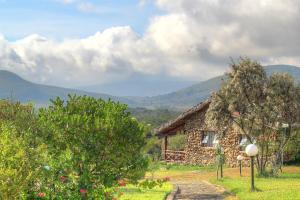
[
  {"x": 183, "y": 168},
  {"x": 132, "y": 192},
  {"x": 286, "y": 186}
]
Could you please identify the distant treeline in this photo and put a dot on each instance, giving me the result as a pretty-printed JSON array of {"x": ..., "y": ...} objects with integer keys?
[{"x": 154, "y": 117}]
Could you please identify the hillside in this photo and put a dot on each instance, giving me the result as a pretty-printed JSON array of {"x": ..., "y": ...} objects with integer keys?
[
  {"x": 194, "y": 94},
  {"x": 11, "y": 85}
]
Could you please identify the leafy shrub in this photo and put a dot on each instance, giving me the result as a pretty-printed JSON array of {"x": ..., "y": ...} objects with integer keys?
[
  {"x": 93, "y": 143},
  {"x": 20, "y": 164}
]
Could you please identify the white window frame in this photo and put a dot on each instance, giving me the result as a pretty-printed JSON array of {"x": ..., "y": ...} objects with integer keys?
[
  {"x": 243, "y": 141},
  {"x": 209, "y": 139}
]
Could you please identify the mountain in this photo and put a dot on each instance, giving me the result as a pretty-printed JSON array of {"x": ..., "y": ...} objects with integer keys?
[
  {"x": 138, "y": 84},
  {"x": 183, "y": 98},
  {"x": 194, "y": 94},
  {"x": 15, "y": 87},
  {"x": 19, "y": 89}
]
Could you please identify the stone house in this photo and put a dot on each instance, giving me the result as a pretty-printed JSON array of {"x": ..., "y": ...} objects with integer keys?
[{"x": 200, "y": 140}]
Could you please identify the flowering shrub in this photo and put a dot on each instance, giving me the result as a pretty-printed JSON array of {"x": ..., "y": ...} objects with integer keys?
[
  {"x": 41, "y": 194},
  {"x": 122, "y": 183},
  {"x": 76, "y": 149}
]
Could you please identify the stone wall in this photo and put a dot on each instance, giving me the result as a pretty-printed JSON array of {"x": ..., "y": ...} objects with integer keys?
[
  {"x": 194, "y": 128},
  {"x": 197, "y": 154}
]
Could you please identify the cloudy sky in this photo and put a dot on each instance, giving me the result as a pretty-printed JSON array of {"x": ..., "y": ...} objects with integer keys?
[{"x": 77, "y": 43}]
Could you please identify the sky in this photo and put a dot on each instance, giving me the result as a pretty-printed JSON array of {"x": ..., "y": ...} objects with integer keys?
[{"x": 81, "y": 43}]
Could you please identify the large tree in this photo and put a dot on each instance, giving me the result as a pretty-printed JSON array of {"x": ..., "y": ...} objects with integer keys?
[{"x": 264, "y": 108}]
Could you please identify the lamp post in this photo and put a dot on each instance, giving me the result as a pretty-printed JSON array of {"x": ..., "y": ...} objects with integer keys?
[
  {"x": 240, "y": 158},
  {"x": 220, "y": 159},
  {"x": 252, "y": 150}
]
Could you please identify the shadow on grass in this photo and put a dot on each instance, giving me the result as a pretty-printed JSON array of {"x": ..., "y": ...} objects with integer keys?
[
  {"x": 282, "y": 176},
  {"x": 289, "y": 176},
  {"x": 236, "y": 190},
  {"x": 240, "y": 190}
]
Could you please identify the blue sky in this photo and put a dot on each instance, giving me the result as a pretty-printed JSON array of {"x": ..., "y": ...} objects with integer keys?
[{"x": 58, "y": 20}]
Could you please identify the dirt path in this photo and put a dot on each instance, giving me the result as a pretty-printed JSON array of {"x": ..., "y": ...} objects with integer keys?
[
  {"x": 192, "y": 190},
  {"x": 195, "y": 184}
]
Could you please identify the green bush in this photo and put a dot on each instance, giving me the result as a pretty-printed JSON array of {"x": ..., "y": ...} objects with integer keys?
[
  {"x": 20, "y": 164},
  {"x": 293, "y": 148},
  {"x": 93, "y": 143}
]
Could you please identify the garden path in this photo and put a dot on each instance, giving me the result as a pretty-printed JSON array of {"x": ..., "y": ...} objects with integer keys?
[
  {"x": 194, "y": 185},
  {"x": 194, "y": 190}
]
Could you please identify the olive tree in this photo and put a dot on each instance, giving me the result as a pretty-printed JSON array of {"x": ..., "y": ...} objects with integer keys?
[
  {"x": 93, "y": 142},
  {"x": 259, "y": 105}
]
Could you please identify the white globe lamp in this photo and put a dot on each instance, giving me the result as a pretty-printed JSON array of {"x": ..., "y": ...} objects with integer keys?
[{"x": 251, "y": 150}]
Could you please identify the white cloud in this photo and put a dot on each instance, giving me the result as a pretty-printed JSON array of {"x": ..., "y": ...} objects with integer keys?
[{"x": 193, "y": 40}]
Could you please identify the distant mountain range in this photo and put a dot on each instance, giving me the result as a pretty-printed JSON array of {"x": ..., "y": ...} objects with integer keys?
[
  {"x": 16, "y": 88},
  {"x": 196, "y": 93},
  {"x": 13, "y": 86},
  {"x": 138, "y": 84}
]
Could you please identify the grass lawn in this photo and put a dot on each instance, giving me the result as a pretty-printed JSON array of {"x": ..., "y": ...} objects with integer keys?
[
  {"x": 178, "y": 171},
  {"x": 132, "y": 192},
  {"x": 286, "y": 186},
  {"x": 182, "y": 168}
]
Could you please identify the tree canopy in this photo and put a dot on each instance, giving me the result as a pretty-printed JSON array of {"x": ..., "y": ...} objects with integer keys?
[{"x": 259, "y": 105}]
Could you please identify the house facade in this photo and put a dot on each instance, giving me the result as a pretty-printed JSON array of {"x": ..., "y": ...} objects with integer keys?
[{"x": 200, "y": 141}]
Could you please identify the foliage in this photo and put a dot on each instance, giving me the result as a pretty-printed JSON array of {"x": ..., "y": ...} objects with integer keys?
[
  {"x": 21, "y": 155},
  {"x": 22, "y": 116},
  {"x": 177, "y": 142},
  {"x": 155, "y": 117},
  {"x": 154, "y": 165},
  {"x": 20, "y": 164},
  {"x": 292, "y": 149},
  {"x": 153, "y": 146},
  {"x": 258, "y": 105},
  {"x": 93, "y": 144}
]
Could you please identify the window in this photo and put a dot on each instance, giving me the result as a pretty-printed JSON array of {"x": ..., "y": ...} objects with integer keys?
[
  {"x": 209, "y": 139},
  {"x": 243, "y": 140}
]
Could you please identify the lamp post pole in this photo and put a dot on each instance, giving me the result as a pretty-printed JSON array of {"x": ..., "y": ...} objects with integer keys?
[
  {"x": 252, "y": 150},
  {"x": 240, "y": 158},
  {"x": 222, "y": 161},
  {"x": 240, "y": 162},
  {"x": 252, "y": 173}
]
